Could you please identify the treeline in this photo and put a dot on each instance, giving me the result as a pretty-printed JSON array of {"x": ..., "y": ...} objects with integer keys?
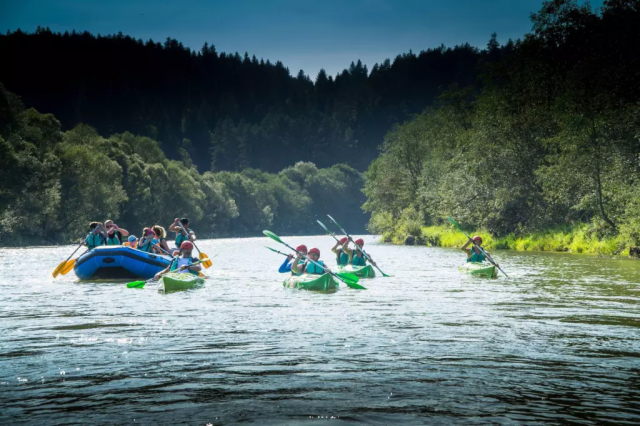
[
  {"x": 227, "y": 111},
  {"x": 548, "y": 137},
  {"x": 55, "y": 182}
]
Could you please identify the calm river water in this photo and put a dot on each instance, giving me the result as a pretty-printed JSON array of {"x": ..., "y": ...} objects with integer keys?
[{"x": 558, "y": 342}]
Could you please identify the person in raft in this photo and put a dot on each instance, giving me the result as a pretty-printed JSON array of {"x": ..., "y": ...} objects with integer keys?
[
  {"x": 357, "y": 255},
  {"x": 96, "y": 237},
  {"x": 183, "y": 263},
  {"x": 286, "y": 266},
  {"x": 132, "y": 242},
  {"x": 474, "y": 254},
  {"x": 180, "y": 234},
  {"x": 342, "y": 257},
  {"x": 147, "y": 241},
  {"x": 161, "y": 237},
  {"x": 298, "y": 266},
  {"x": 115, "y": 234}
]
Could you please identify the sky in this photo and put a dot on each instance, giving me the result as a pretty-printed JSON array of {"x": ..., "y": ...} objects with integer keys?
[{"x": 303, "y": 34}]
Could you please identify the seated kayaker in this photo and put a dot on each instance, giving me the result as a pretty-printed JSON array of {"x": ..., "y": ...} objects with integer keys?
[
  {"x": 183, "y": 263},
  {"x": 286, "y": 266},
  {"x": 474, "y": 254},
  {"x": 132, "y": 241},
  {"x": 357, "y": 255},
  {"x": 96, "y": 237},
  {"x": 298, "y": 267},
  {"x": 147, "y": 241},
  {"x": 160, "y": 235},
  {"x": 115, "y": 234},
  {"x": 342, "y": 257},
  {"x": 181, "y": 236}
]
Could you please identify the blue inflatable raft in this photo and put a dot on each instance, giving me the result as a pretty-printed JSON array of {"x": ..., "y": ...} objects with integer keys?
[{"x": 118, "y": 262}]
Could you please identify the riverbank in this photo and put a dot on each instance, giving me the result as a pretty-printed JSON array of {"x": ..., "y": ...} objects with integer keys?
[{"x": 578, "y": 239}]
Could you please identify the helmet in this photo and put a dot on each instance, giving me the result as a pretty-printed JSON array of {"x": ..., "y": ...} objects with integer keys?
[
  {"x": 186, "y": 245},
  {"x": 343, "y": 240},
  {"x": 477, "y": 239},
  {"x": 301, "y": 247},
  {"x": 314, "y": 250},
  {"x": 360, "y": 242}
]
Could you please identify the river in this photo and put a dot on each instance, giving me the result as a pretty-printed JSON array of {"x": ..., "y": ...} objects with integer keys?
[{"x": 559, "y": 342}]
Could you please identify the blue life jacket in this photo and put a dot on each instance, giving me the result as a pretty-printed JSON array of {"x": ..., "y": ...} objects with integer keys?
[
  {"x": 147, "y": 247},
  {"x": 175, "y": 261},
  {"x": 342, "y": 258},
  {"x": 357, "y": 260},
  {"x": 180, "y": 238},
  {"x": 311, "y": 268},
  {"x": 475, "y": 257},
  {"x": 94, "y": 240}
]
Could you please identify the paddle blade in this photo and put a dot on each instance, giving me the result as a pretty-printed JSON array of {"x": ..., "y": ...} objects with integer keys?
[
  {"x": 323, "y": 227},
  {"x": 205, "y": 260},
  {"x": 353, "y": 285},
  {"x": 136, "y": 284},
  {"x": 450, "y": 219},
  {"x": 56, "y": 271},
  {"x": 336, "y": 222},
  {"x": 272, "y": 236},
  {"x": 68, "y": 267},
  {"x": 348, "y": 277}
]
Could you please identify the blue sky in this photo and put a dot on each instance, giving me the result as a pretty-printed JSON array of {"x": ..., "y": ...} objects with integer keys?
[{"x": 303, "y": 34}]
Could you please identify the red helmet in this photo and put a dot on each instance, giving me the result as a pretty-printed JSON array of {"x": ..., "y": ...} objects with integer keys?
[
  {"x": 186, "y": 245},
  {"x": 314, "y": 250},
  {"x": 343, "y": 240},
  {"x": 477, "y": 239},
  {"x": 301, "y": 247},
  {"x": 360, "y": 242}
]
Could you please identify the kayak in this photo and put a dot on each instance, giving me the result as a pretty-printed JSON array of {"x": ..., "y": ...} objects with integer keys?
[
  {"x": 175, "y": 281},
  {"x": 118, "y": 262},
  {"x": 324, "y": 282},
  {"x": 365, "y": 271},
  {"x": 484, "y": 270}
]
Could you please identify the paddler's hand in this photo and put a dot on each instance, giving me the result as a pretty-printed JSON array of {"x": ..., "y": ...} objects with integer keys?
[
  {"x": 289, "y": 256},
  {"x": 156, "y": 276}
]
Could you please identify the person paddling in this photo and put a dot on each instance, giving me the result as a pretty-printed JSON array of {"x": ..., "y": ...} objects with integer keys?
[
  {"x": 474, "y": 254},
  {"x": 342, "y": 257},
  {"x": 286, "y": 266},
  {"x": 357, "y": 256},
  {"x": 184, "y": 263},
  {"x": 96, "y": 237},
  {"x": 298, "y": 267},
  {"x": 181, "y": 236}
]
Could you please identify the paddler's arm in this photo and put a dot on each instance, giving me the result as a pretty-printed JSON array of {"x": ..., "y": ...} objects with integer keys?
[
  {"x": 465, "y": 248},
  {"x": 295, "y": 268},
  {"x": 122, "y": 231},
  {"x": 286, "y": 266},
  {"x": 161, "y": 273},
  {"x": 192, "y": 236},
  {"x": 194, "y": 268},
  {"x": 174, "y": 227},
  {"x": 335, "y": 248},
  {"x": 371, "y": 259}
]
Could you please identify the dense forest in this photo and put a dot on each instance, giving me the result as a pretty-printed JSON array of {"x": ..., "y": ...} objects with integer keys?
[
  {"x": 55, "y": 182},
  {"x": 548, "y": 137},
  {"x": 227, "y": 111}
]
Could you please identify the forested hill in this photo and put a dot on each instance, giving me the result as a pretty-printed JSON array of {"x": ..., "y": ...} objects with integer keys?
[{"x": 226, "y": 111}]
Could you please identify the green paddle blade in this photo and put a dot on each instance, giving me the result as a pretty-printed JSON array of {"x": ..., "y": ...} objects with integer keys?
[
  {"x": 348, "y": 277},
  {"x": 324, "y": 227},
  {"x": 353, "y": 285},
  {"x": 272, "y": 236},
  {"x": 136, "y": 284},
  {"x": 450, "y": 219}
]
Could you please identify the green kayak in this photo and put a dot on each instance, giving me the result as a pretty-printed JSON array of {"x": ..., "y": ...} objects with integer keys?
[
  {"x": 484, "y": 270},
  {"x": 324, "y": 282},
  {"x": 366, "y": 271},
  {"x": 175, "y": 281}
]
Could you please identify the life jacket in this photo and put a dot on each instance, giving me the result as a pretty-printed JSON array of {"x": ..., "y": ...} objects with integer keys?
[
  {"x": 113, "y": 241},
  {"x": 342, "y": 258},
  {"x": 180, "y": 238},
  {"x": 94, "y": 240},
  {"x": 475, "y": 257},
  {"x": 311, "y": 268},
  {"x": 357, "y": 260},
  {"x": 147, "y": 247},
  {"x": 177, "y": 262}
]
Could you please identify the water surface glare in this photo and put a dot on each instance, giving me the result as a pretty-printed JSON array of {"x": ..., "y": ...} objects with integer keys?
[{"x": 558, "y": 342}]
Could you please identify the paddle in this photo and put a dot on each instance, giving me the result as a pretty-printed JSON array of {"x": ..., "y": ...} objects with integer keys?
[
  {"x": 202, "y": 256},
  {"x": 347, "y": 276},
  {"x": 159, "y": 247},
  {"x": 360, "y": 248},
  {"x": 348, "y": 283},
  {"x": 67, "y": 265},
  {"x": 328, "y": 232},
  {"x": 481, "y": 249},
  {"x": 141, "y": 284}
]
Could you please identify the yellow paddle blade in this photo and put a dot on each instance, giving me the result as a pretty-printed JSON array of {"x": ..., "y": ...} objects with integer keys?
[
  {"x": 205, "y": 260},
  {"x": 68, "y": 267},
  {"x": 58, "y": 269}
]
